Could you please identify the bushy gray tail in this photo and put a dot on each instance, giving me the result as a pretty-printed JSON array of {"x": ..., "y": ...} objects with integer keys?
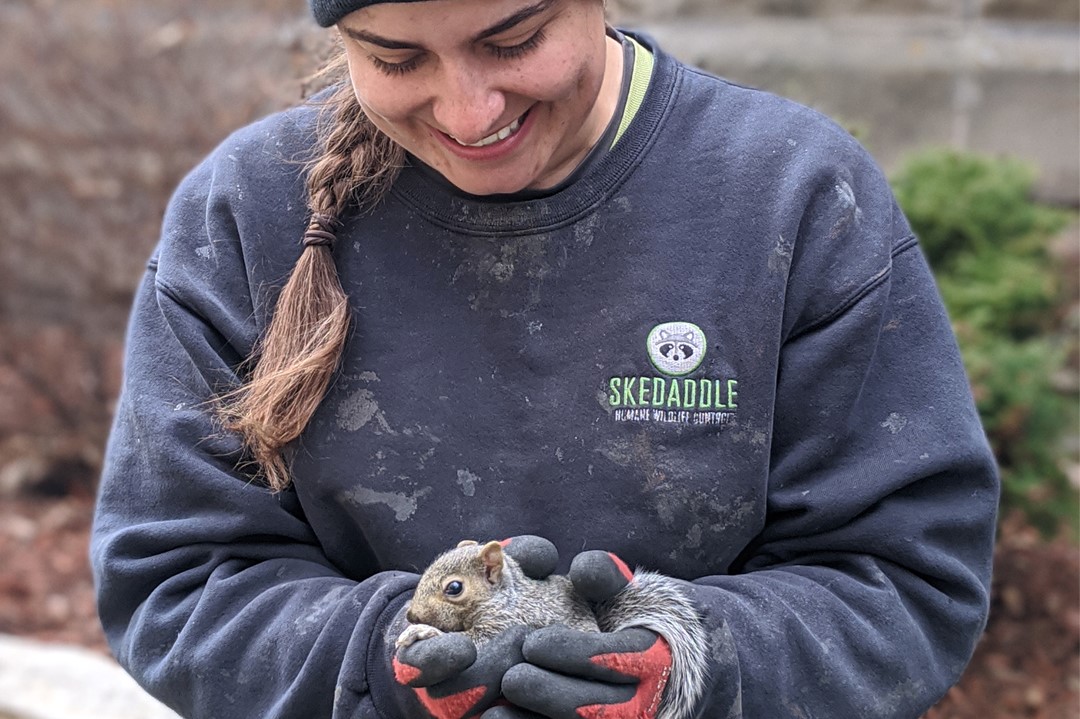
[{"x": 656, "y": 602}]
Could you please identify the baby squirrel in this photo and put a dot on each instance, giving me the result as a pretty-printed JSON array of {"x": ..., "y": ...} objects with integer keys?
[{"x": 482, "y": 591}]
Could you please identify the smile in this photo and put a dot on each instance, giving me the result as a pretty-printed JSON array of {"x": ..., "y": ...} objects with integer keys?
[{"x": 491, "y": 139}]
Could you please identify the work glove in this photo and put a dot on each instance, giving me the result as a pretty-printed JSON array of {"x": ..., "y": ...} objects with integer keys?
[
  {"x": 453, "y": 679},
  {"x": 450, "y": 677},
  {"x": 570, "y": 674}
]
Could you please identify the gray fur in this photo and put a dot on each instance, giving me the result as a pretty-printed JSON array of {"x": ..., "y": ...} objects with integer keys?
[
  {"x": 652, "y": 601},
  {"x": 656, "y": 602},
  {"x": 533, "y": 602},
  {"x": 514, "y": 599}
]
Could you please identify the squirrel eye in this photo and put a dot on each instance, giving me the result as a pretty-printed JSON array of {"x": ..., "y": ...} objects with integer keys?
[{"x": 453, "y": 588}]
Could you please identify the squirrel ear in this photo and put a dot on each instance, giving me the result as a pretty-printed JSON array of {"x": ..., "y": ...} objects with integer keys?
[
  {"x": 492, "y": 558},
  {"x": 467, "y": 543}
]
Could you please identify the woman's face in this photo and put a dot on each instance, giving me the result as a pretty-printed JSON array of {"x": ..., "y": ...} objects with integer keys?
[{"x": 497, "y": 95}]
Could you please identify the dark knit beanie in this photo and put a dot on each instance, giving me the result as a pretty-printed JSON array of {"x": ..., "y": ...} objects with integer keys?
[{"x": 328, "y": 12}]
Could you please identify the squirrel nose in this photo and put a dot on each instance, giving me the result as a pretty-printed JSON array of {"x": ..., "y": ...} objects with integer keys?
[{"x": 410, "y": 615}]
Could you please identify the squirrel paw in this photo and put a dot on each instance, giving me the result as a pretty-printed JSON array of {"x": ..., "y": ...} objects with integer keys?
[{"x": 414, "y": 633}]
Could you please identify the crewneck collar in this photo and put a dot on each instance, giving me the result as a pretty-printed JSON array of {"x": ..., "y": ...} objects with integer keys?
[{"x": 457, "y": 211}]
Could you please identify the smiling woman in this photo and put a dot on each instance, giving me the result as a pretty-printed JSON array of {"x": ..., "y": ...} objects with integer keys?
[
  {"x": 540, "y": 280},
  {"x": 514, "y": 105}
]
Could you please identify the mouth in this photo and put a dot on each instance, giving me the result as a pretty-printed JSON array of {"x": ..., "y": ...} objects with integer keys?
[{"x": 498, "y": 136}]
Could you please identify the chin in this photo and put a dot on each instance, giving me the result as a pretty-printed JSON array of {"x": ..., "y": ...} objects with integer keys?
[{"x": 488, "y": 185}]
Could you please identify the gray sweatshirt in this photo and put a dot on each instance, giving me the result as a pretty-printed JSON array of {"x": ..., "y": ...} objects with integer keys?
[{"x": 718, "y": 353}]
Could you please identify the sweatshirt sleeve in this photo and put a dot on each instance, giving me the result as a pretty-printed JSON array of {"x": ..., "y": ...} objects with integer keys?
[
  {"x": 214, "y": 592},
  {"x": 868, "y": 587}
]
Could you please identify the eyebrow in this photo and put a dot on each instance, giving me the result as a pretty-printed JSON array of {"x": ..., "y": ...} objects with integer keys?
[{"x": 500, "y": 27}]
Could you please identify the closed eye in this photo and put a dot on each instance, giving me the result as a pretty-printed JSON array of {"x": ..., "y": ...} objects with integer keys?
[
  {"x": 395, "y": 68},
  {"x": 502, "y": 52},
  {"x": 510, "y": 52}
]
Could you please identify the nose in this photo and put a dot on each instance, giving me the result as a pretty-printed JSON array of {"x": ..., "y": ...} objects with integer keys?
[{"x": 466, "y": 105}]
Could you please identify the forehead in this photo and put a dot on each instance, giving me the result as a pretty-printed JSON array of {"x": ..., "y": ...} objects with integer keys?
[
  {"x": 445, "y": 17},
  {"x": 451, "y": 560}
]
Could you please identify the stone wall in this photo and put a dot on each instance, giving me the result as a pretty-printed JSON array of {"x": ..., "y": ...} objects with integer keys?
[
  {"x": 1048, "y": 10},
  {"x": 993, "y": 76}
]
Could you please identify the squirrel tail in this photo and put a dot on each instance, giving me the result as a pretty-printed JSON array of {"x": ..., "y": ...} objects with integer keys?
[{"x": 656, "y": 602}]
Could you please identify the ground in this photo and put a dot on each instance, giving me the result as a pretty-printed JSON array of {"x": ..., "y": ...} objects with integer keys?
[{"x": 1027, "y": 664}]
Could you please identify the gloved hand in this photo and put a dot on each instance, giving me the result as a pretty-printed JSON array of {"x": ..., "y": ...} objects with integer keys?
[
  {"x": 571, "y": 674},
  {"x": 591, "y": 675},
  {"x": 453, "y": 679}
]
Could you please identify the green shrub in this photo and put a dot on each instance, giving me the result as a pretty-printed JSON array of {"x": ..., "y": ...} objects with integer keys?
[
  {"x": 986, "y": 241},
  {"x": 1024, "y": 417},
  {"x": 961, "y": 203},
  {"x": 1004, "y": 294}
]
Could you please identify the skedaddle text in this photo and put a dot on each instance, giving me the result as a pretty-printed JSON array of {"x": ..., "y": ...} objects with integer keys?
[{"x": 673, "y": 393}]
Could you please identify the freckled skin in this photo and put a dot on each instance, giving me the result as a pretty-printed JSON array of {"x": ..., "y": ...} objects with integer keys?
[{"x": 568, "y": 83}]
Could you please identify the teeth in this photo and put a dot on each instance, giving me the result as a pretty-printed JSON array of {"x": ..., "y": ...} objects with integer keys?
[{"x": 495, "y": 137}]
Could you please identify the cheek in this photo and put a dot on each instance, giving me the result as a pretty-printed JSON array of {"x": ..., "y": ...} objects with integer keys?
[
  {"x": 584, "y": 74},
  {"x": 567, "y": 85},
  {"x": 577, "y": 91},
  {"x": 381, "y": 97},
  {"x": 391, "y": 118},
  {"x": 381, "y": 108},
  {"x": 379, "y": 118}
]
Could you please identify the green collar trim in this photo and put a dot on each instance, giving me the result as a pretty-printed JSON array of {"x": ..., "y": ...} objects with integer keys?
[{"x": 640, "y": 76}]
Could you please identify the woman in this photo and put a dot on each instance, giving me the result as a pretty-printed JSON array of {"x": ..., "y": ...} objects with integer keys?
[{"x": 549, "y": 281}]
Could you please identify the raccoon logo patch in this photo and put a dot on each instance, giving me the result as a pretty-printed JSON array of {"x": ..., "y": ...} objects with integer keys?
[{"x": 676, "y": 348}]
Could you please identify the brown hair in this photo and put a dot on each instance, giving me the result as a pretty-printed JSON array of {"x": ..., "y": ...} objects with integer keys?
[{"x": 293, "y": 364}]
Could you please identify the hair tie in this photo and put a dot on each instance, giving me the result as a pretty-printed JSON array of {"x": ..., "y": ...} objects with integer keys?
[{"x": 319, "y": 232}]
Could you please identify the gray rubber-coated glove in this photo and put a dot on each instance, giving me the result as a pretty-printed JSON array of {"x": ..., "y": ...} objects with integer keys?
[{"x": 570, "y": 674}]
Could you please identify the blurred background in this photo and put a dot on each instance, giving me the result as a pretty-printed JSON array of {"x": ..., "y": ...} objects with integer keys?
[{"x": 971, "y": 106}]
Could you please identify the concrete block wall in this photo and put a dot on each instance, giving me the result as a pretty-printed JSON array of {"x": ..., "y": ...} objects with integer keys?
[
  {"x": 994, "y": 76},
  {"x": 1047, "y": 10}
]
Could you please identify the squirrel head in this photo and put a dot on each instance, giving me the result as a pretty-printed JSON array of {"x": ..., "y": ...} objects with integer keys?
[{"x": 457, "y": 584}]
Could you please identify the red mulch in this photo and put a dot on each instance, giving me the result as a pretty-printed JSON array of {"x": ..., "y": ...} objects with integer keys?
[
  {"x": 1028, "y": 662},
  {"x": 45, "y": 586},
  {"x": 1027, "y": 665}
]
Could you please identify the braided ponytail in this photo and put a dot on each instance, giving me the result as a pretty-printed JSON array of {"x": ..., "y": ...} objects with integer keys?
[{"x": 297, "y": 357}]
